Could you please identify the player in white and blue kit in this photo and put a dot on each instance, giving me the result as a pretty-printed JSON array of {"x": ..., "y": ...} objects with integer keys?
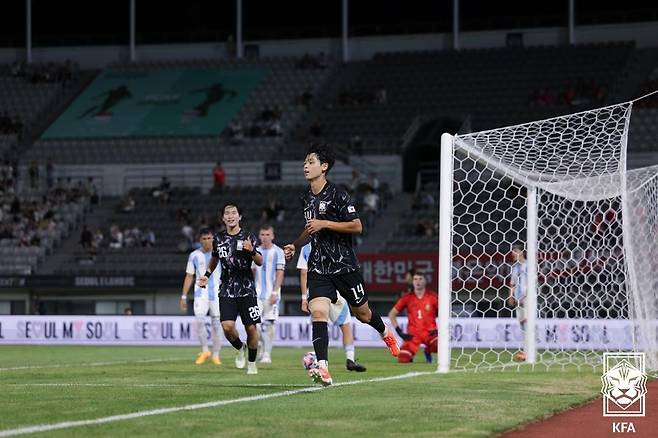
[
  {"x": 205, "y": 298},
  {"x": 269, "y": 277},
  {"x": 339, "y": 312},
  {"x": 518, "y": 284}
]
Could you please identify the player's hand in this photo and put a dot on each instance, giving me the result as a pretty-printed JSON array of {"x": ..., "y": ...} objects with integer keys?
[
  {"x": 274, "y": 297},
  {"x": 403, "y": 335},
  {"x": 305, "y": 305},
  {"x": 247, "y": 245},
  {"x": 511, "y": 301},
  {"x": 183, "y": 305},
  {"x": 203, "y": 281},
  {"x": 315, "y": 225},
  {"x": 289, "y": 251}
]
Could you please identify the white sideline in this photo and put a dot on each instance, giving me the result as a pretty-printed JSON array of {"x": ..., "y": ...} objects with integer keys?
[
  {"x": 212, "y": 404},
  {"x": 93, "y": 364}
]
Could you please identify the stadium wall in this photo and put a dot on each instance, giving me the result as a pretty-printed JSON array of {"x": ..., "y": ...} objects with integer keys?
[{"x": 645, "y": 34}]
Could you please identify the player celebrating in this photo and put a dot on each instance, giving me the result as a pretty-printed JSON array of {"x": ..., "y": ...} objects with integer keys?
[
  {"x": 339, "y": 313},
  {"x": 235, "y": 249},
  {"x": 331, "y": 222},
  {"x": 269, "y": 278},
  {"x": 205, "y": 299},
  {"x": 422, "y": 306}
]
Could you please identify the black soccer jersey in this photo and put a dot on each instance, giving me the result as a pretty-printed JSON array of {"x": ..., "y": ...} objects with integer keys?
[
  {"x": 331, "y": 252},
  {"x": 237, "y": 278}
]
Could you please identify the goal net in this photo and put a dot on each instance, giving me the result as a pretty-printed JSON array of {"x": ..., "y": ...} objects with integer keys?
[{"x": 551, "y": 242}]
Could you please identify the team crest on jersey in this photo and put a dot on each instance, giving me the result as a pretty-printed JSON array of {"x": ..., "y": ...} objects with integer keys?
[
  {"x": 427, "y": 307},
  {"x": 351, "y": 209},
  {"x": 323, "y": 207}
]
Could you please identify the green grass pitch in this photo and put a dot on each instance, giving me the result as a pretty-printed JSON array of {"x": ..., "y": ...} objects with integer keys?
[{"x": 52, "y": 385}]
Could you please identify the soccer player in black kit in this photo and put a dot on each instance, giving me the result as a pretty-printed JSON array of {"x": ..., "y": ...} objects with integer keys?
[
  {"x": 331, "y": 221},
  {"x": 235, "y": 249}
]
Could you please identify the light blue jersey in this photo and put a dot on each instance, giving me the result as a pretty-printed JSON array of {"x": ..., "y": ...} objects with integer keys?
[
  {"x": 197, "y": 264},
  {"x": 273, "y": 260},
  {"x": 519, "y": 280}
]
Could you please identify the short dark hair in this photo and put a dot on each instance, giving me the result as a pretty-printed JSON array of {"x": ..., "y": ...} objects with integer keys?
[
  {"x": 205, "y": 230},
  {"x": 325, "y": 154},
  {"x": 266, "y": 227},
  {"x": 231, "y": 204},
  {"x": 420, "y": 273},
  {"x": 518, "y": 247}
]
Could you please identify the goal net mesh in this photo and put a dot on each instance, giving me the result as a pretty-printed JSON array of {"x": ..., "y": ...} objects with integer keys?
[{"x": 596, "y": 246}]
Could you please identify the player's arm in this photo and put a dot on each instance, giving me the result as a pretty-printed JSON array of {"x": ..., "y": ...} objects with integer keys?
[
  {"x": 512, "y": 285},
  {"x": 212, "y": 264},
  {"x": 289, "y": 249},
  {"x": 352, "y": 227},
  {"x": 303, "y": 274},
  {"x": 278, "y": 281},
  {"x": 392, "y": 316},
  {"x": 187, "y": 283},
  {"x": 249, "y": 245}
]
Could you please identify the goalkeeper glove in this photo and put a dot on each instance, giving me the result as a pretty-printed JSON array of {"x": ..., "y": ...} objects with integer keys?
[{"x": 402, "y": 334}]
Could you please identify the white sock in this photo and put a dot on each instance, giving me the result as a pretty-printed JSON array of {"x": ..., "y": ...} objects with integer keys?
[
  {"x": 323, "y": 364},
  {"x": 216, "y": 336},
  {"x": 268, "y": 339},
  {"x": 201, "y": 331},
  {"x": 349, "y": 352}
]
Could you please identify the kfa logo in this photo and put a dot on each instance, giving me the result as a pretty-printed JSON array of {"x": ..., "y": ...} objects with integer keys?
[
  {"x": 624, "y": 385},
  {"x": 323, "y": 207}
]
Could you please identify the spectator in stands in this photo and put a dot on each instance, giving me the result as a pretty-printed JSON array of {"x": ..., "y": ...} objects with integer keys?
[
  {"x": 183, "y": 215},
  {"x": 370, "y": 206},
  {"x": 381, "y": 96},
  {"x": 188, "y": 243},
  {"x": 86, "y": 238},
  {"x": 132, "y": 237},
  {"x": 128, "y": 204},
  {"x": 274, "y": 129},
  {"x": 273, "y": 210},
  {"x": 373, "y": 181},
  {"x": 162, "y": 192},
  {"x": 98, "y": 238},
  {"x": 219, "y": 178},
  {"x": 116, "y": 237},
  {"x": 148, "y": 238},
  {"x": 235, "y": 132},
  {"x": 355, "y": 181},
  {"x": 128, "y": 311},
  {"x": 424, "y": 228},
  {"x": 91, "y": 191}
]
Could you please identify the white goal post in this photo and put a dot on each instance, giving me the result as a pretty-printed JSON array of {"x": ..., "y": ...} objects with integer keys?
[{"x": 548, "y": 245}]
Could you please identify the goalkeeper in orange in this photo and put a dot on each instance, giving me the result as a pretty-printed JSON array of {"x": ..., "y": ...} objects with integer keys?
[{"x": 422, "y": 306}]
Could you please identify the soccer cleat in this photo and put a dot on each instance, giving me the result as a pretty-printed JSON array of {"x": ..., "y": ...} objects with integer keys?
[
  {"x": 216, "y": 360},
  {"x": 391, "y": 343},
  {"x": 352, "y": 365},
  {"x": 202, "y": 357},
  {"x": 265, "y": 359},
  {"x": 251, "y": 368},
  {"x": 320, "y": 375},
  {"x": 240, "y": 360}
]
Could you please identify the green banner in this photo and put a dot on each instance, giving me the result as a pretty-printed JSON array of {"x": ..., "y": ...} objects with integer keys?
[{"x": 184, "y": 102}]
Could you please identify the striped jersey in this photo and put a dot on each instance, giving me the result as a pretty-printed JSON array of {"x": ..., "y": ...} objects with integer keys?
[
  {"x": 519, "y": 279},
  {"x": 197, "y": 264},
  {"x": 273, "y": 260},
  {"x": 302, "y": 262}
]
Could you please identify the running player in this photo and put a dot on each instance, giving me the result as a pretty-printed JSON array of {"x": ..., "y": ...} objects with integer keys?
[
  {"x": 235, "y": 249},
  {"x": 331, "y": 222},
  {"x": 205, "y": 298},
  {"x": 339, "y": 312},
  {"x": 269, "y": 278}
]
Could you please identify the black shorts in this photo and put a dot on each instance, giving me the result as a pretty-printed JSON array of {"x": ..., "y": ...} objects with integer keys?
[
  {"x": 246, "y": 307},
  {"x": 350, "y": 286}
]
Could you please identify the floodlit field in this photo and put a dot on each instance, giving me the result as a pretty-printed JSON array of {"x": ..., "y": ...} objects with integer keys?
[{"x": 158, "y": 391}]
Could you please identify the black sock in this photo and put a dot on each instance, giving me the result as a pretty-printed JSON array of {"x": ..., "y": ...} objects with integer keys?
[
  {"x": 236, "y": 343},
  {"x": 321, "y": 340},
  {"x": 252, "y": 354},
  {"x": 376, "y": 322}
]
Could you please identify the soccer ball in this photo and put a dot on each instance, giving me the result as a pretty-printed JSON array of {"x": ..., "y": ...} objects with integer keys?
[{"x": 309, "y": 360}]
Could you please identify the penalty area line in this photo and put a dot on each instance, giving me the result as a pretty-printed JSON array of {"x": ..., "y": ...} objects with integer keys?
[{"x": 194, "y": 407}]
